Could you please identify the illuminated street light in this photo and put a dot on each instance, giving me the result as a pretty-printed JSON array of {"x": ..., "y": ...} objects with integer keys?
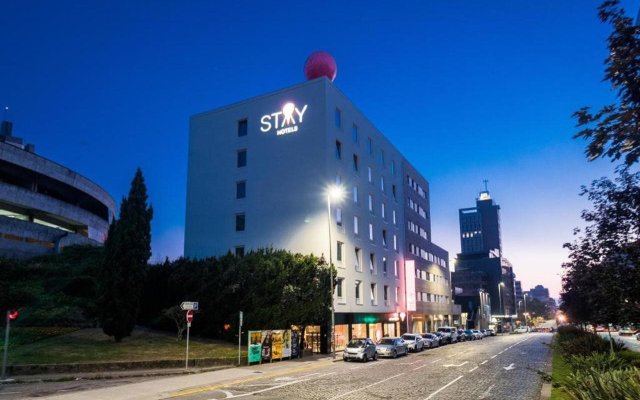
[{"x": 336, "y": 193}]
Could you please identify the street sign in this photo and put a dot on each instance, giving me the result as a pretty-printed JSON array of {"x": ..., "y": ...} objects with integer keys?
[
  {"x": 189, "y": 316},
  {"x": 240, "y": 318},
  {"x": 189, "y": 305}
]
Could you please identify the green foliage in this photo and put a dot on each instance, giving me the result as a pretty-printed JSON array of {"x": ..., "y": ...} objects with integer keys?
[
  {"x": 274, "y": 288},
  {"x": 613, "y": 130},
  {"x": 603, "y": 361},
  {"x": 595, "y": 384},
  {"x": 127, "y": 249}
]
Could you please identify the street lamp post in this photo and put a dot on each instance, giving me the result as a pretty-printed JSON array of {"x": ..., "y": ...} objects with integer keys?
[
  {"x": 336, "y": 193},
  {"x": 525, "y": 308}
]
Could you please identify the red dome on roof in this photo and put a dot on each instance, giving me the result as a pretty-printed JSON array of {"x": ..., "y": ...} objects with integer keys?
[{"x": 320, "y": 63}]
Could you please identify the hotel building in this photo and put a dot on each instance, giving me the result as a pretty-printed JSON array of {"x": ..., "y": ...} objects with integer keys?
[{"x": 258, "y": 175}]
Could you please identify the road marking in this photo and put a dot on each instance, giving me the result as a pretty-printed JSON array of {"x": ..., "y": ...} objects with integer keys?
[
  {"x": 510, "y": 367},
  {"x": 227, "y": 393},
  {"x": 494, "y": 356},
  {"x": 473, "y": 369},
  {"x": 444, "y": 387},
  {"x": 435, "y": 361},
  {"x": 484, "y": 362},
  {"x": 267, "y": 389},
  {"x": 455, "y": 365},
  {"x": 422, "y": 366},
  {"x": 487, "y": 393},
  {"x": 366, "y": 387}
]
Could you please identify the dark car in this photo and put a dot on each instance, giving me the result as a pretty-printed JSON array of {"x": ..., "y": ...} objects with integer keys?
[
  {"x": 432, "y": 339},
  {"x": 442, "y": 337},
  {"x": 360, "y": 349},
  {"x": 470, "y": 335},
  {"x": 462, "y": 336}
]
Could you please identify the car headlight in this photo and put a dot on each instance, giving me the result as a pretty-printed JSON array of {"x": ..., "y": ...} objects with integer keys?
[{"x": 361, "y": 350}]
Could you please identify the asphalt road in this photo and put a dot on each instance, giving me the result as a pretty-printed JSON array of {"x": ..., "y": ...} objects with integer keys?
[
  {"x": 503, "y": 367},
  {"x": 630, "y": 342}
]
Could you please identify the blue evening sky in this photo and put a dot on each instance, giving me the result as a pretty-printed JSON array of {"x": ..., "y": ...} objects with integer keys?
[{"x": 467, "y": 90}]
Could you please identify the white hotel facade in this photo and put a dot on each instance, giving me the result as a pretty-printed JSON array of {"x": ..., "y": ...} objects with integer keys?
[{"x": 258, "y": 175}]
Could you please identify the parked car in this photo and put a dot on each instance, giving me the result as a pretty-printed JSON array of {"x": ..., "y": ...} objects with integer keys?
[
  {"x": 461, "y": 336},
  {"x": 638, "y": 335},
  {"x": 627, "y": 331},
  {"x": 470, "y": 334},
  {"x": 478, "y": 334},
  {"x": 441, "y": 338},
  {"x": 391, "y": 347},
  {"x": 360, "y": 349},
  {"x": 491, "y": 332},
  {"x": 450, "y": 332},
  {"x": 413, "y": 341},
  {"x": 521, "y": 329},
  {"x": 431, "y": 340}
]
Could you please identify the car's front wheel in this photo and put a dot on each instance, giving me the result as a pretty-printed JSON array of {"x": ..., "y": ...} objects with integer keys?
[
  {"x": 365, "y": 358},
  {"x": 394, "y": 354}
]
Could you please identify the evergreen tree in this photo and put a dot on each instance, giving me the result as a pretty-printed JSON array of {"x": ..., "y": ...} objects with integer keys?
[{"x": 127, "y": 250}]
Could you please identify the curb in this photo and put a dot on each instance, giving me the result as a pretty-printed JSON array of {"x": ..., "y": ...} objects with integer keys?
[{"x": 545, "y": 393}]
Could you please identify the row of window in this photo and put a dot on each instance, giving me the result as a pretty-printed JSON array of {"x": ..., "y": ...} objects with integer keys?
[
  {"x": 416, "y": 187},
  {"x": 356, "y": 230},
  {"x": 358, "y": 265},
  {"x": 373, "y": 293},
  {"x": 431, "y": 298},
  {"x": 417, "y": 208},
  {"x": 431, "y": 277},
  {"x": 418, "y": 230},
  {"x": 355, "y": 138},
  {"x": 355, "y": 165},
  {"x": 466, "y": 235}
]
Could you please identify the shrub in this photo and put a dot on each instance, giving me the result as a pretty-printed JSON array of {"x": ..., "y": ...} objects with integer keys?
[
  {"x": 586, "y": 344},
  {"x": 597, "y": 385},
  {"x": 596, "y": 361}
]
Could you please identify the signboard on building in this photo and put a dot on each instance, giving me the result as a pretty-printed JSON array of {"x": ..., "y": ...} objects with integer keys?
[
  {"x": 285, "y": 121},
  {"x": 410, "y": 284}
]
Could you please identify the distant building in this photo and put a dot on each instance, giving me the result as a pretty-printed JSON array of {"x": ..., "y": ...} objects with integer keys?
[
  {"x": 481, "y": 265},
  {"x": 519, "y": 293},
  {"x": 45, "y": 206},
  {"x": 540, "y": 293}
]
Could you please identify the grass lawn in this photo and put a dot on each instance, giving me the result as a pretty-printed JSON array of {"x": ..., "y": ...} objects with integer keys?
[
  {"x": 559, "y": 370},
  {"x": 64, "y": 345}
]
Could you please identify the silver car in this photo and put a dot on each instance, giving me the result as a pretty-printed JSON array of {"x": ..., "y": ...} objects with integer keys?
[
  {"x": 391, "y": 347},
  {"x": 414, "y": 341},
  {"x": 431, "y": 340},
  {"x": 360, "y": 349}
]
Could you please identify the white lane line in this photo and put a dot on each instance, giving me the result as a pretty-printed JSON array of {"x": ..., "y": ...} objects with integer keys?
[
  {"x": 473, "y": 369},
  {"x": 435, "y": 361},
  {"x": 422, "y": 366},
  {"x": 487, "y": 393},
  {"x": 227, "y": 393},
  {"x": 444, "y": 387},
  {"x": 484, "y": 362},
  {"x": 494, "y": 356},
  {"x": 267, "y": 389},
  {"x": 455, "y": 365},
  {"x": 366, "y": 387}
]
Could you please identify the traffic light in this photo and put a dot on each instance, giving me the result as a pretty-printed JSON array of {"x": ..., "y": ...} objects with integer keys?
[{"x": 13, "y": 315}]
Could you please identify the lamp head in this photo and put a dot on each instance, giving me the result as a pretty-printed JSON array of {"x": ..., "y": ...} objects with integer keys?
[{"x": 336, "y": 192}]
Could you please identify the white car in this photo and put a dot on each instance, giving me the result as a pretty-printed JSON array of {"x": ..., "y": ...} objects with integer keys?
[
  {"x": 414, "y": 341},
  {"x": 521, "y": 329}
]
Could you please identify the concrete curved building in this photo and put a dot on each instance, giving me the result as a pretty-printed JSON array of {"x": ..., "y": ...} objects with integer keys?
[{"x": 45, "y": 206}]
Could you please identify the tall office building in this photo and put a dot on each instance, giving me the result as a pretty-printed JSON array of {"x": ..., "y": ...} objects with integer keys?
[
  {"x": 481, "y": 267},
  {"x": 258, "y": 176}
]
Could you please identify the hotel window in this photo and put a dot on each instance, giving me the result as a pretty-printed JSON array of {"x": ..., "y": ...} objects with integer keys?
[
  {"x": 370, "y": 146},
  {"x": 371, "y": 232},
  {"x": 355, "y": 224},
  {"x": 393, "y": 191},
  {"x": 382, "y": 183},
  {"x": 242, "y": 127},
  {"x": 395, "y": 243},
  {"x": 384, "y": 237},
  {"x": 338, "y": 118},
  {"x": 374, "y": 294},
  {"x": 339, "y": 246},
  {"x": 240, "y": 222},
  {"x": 241, "y": 189},
  {"x": 372, "y": 263},
  {"x": 338, "y": 179},
  {"x": 358, "y": 260},
  {"x": 239, "y": 251},
  {"x": 383, "y": 214},
  {"x": 338, "y": 150},
  {"x": 371, "y": 203},
  {"x": 385, "y": 294},
  {"x": 242, "y": 158},
  {"x": 358, "y": 292},
  {"x": 395, "y": 268},
  {"x": 384, "y": 265},
  {"x": 355, "y": 194},
  {"x": 369, "y": 175},
  {"x": 393, "y": 168},
  {"x": 339, "y": 289},
  {"x": 354, "y": 134},
  {"x": 355, "y": 163},
  {"x": 382, "y": 157},
  {"x": 339, "y": 216},
  {"x": 395, "y": 220},
  {"x": 397, "y": 294}
]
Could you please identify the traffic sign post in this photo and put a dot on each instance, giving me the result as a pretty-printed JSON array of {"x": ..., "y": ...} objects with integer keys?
[
  {"x": 189, "y": 318},
  {"x": 239, "y": 337},
  {"x": 12, "y": 315},
  {"x": 189, "y": 305}
]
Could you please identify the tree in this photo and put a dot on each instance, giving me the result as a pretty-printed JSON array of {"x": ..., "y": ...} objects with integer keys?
[
  {"x": 127, "y": 249},
  {"x": 614, "y": 130},
  {"x": 602, "y": 278}
]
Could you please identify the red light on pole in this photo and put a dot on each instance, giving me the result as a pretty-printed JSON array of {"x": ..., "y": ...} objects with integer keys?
[{"x": 13, "y": 315}]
